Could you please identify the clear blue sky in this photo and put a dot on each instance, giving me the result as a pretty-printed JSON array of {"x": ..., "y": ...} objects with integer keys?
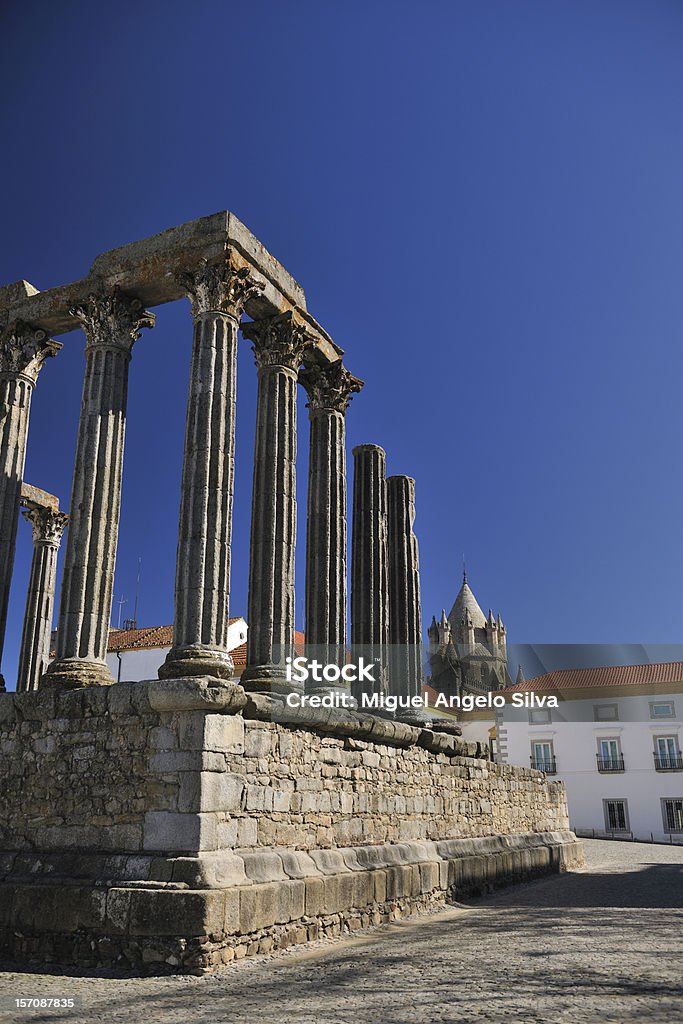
[{"x": 483, "y": 203}]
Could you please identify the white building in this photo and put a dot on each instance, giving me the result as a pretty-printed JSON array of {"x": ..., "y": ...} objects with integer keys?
[
  {"x": 135, "y": 654},
  {"x": 614, "y": 740}
]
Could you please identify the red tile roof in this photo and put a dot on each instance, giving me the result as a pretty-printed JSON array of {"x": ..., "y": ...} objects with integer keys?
[
  {"x": 162, "y": 636},
  {"x": 138, "y": 639},
  {"x": 616, "y": 675},
  {"x": 239, "y": 654}
]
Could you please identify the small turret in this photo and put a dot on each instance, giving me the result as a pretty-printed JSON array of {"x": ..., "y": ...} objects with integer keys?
[
  {"x": 468, "y": 628},
  {"x": 520, "y": 675},
  {"x": 492, "y": 633},
  {"x": 444, "y": 629},
  {"x": 433, "y": 634},
  {"x": 502, "y": 637}
]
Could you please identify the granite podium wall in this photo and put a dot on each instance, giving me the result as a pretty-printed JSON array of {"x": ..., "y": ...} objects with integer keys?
[{"x": 176, "y": 825}]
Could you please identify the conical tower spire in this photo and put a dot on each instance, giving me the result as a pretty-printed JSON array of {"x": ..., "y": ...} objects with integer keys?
[{"x": 466, "y": 601}]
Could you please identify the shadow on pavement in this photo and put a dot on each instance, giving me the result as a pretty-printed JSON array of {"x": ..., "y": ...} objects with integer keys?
[{"x": 586, "y": 946}]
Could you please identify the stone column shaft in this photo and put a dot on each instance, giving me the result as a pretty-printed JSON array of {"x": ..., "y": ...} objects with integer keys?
[
  {"x": 112, "y": 324},
  {"x": 279, "y": 343},
  {"x": 22, "y": 353},
  {"x": 202, "y": 591},
  {"x": 405, "y": 617},
  {"x": 329, "y": 390},
  {"x": 369, "y": 573},
  {"x": 325, "y": 533},
  {"x": 48, "y": 527}
]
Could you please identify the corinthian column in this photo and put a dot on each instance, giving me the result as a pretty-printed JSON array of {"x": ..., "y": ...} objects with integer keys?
[
  {"x": 23, "y": 351},
  {"x": 369, "y": 579},
  {"x": 279, "y": 344},
  {"x": 48, "y": 527},
  {"x": 330, "y": 389},
  {"x": 405, "y": 617},
  {"x": 218, "y": 294},
  {"x": 112, "y": 325}
]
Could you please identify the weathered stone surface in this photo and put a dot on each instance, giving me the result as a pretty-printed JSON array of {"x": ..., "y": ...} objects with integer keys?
[
  {"x": 369, "y": 571},
  {"x": 112, "y": 324},
  {"x": 200, "y": 808},
  {"x": 219, "y": 293},
  {"x": 451, "y": 728},
  {"x": 405, "y": 617},
  {"x": 23, "y": 350},
  {"x": 279, "y": 344},
  {"x": 179, "y": 832},
  {"x": 329, "y": 390},
  {"x": 258, "y": 907},
  {"x": 96, "y": 768},
  {"x": 48, "y": 526},
  {"x": 158, "y": 912},
  {"x": 386, "y": 882},
  {"x": 31, "y": 495},
  {"x": 440, "y": 743},
  {"x": 195, "y": 693}
]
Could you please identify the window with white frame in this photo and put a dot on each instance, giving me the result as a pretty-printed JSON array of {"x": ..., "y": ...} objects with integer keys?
[
  {"x": 610, "y": 758},
  {"x": 667, "y": 752},
  {"x": 542, "y": 756},
  {"x": 616, "y": 815},
  {"x": 672, "y": 813},
  {"x": 610, "y": 749},
  {"x": 662, "y": 709}
]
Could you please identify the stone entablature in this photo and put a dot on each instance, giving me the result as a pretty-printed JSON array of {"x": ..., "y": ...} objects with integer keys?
[{"x": 152, "y": 269}]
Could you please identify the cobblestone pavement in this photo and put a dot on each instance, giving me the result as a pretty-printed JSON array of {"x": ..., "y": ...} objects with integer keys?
[{"x": 604, "y": 944}]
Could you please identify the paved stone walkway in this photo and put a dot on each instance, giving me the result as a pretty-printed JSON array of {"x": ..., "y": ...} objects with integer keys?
[{"x": 601, "y": 945}]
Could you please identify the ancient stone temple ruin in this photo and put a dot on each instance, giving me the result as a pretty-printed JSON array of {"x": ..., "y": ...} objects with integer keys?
[{"x": 179, "y": 823}]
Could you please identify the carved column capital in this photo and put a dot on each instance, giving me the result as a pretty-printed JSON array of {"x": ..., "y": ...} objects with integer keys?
[
  {"x": 48, "y": 525},
  {"x": 23, "y": 350},
  {"x": 115, "y": 320},
  {"x": 223, "y": 287},
  {"x": 329, "y": 387},
  {"x": 279, "y": 340}
]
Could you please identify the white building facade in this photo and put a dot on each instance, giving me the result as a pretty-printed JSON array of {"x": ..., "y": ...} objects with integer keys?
[
  {"x": 134, "y": 654},
  {"x": 614, "y": 740}
]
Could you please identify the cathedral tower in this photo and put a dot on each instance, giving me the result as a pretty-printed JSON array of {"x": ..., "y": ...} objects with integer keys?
[{"x": 468, "y": 650}]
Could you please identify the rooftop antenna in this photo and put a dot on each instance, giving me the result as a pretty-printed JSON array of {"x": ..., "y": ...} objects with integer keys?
[
  {"x": 121, "y": 601},
  {"x": 137, "y": 592}
]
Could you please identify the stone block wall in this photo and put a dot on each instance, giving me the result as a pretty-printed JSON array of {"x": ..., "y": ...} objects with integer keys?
[
  {"x": 104, "y": 769},
  {"x": 174, "y": 823}
]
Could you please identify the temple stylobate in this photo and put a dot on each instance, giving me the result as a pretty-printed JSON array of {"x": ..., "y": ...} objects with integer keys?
[{"x": 226, "y": 274}]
